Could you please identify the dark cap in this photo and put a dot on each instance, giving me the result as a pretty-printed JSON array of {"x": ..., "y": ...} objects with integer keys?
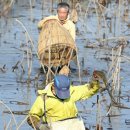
[{"x": 62, "y": 86}]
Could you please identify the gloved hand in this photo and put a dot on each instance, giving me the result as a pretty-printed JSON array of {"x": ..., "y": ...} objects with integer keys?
[
  {"x": 93, "y": 84},
  {"x": 97, "y": 75},
  {"x": 33, "y": 122}
]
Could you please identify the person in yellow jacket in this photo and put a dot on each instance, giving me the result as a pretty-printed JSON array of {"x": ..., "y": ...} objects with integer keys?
[
  {"x": 55, "y": 109},
  {"x": 63, "y": 18}
]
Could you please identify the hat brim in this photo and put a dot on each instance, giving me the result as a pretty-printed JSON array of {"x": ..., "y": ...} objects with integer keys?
[{"x": 62, "y": 94}]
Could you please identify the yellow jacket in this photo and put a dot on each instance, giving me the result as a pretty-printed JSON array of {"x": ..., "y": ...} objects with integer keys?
[
  {"x": 57, "y": 109},
  {"x": 69, "y": 25}
]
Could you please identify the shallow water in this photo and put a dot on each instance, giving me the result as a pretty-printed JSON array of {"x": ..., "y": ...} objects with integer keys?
[{"x": 19, "y": 95}]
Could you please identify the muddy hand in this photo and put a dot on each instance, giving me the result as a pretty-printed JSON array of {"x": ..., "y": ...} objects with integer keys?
[
  {"x": 33, "y": 122},
  {"x": 97, "y": 75}
]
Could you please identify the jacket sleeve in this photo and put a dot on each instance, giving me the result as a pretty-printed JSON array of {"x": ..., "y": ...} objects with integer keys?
[
  {"x": 37, "y": 108},
  {"x": 40, "y": 23},
  {"x": 83, "y": 92}
]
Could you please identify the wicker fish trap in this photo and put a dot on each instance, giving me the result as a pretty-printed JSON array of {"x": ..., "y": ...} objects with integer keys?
[{"x": 55, "y": 46}]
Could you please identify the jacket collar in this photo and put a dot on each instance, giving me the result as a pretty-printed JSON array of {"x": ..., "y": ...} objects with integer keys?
[
  {"x": 49, "y": 92},
  {"x": 63, "y": 22}
]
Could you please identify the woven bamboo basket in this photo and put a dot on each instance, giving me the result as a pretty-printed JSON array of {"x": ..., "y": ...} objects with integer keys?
[{"x": 55, "y": 45}]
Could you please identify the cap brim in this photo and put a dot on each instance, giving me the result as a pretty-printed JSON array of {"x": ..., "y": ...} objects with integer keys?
[{"x": 62, "y": 94}]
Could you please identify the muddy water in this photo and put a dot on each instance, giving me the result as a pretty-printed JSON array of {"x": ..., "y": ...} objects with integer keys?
[{"x": 18, "y": 89}]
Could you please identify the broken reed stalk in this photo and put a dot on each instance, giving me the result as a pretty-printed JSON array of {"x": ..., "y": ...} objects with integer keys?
[
  {"x": 118, "y": 76},
  {"x": 86, "y": 12},
  {"x": 116, "y": 64},
  {"x": 23, "y": 121},
  {"x": 80, "y": 13},
  {"x": 49, "y": 72},
  {"x": 99, "y": 27},
  {"x": 29, "y": 57},
  {"x": 115, "y": 57},
  {"x": 9, "y": 111},
  {"x": 114, "y": 38},
  {"x": 6, "y": 9},
  {"x": 78, "y": 6},
  {"x": 108, "y": 10},
  {"x": 126, "y": 57},
  {"x": 21, "y": 62},
  {"x": 11, "y": 3},
  {"x": 8, "y": 125},
  {"x": 98, "y": 114},
  {"x": 119, "y": 17},
  {"x": 103, "y": 15},
  {"x": 48, "y": 75},
  {"x": 116, "y": 80},
  {"x": 99, "y": 18},
  {"x": 52, "y": 5},
  {"x": 31, "y": 12},
  {"x": 13, "y": 117},
  {"x": 31, "y": 41},
  {"x": 79, "y": 69},
  {"x": 115, "y": 72},
  {"x": 42, "y": 7}
]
